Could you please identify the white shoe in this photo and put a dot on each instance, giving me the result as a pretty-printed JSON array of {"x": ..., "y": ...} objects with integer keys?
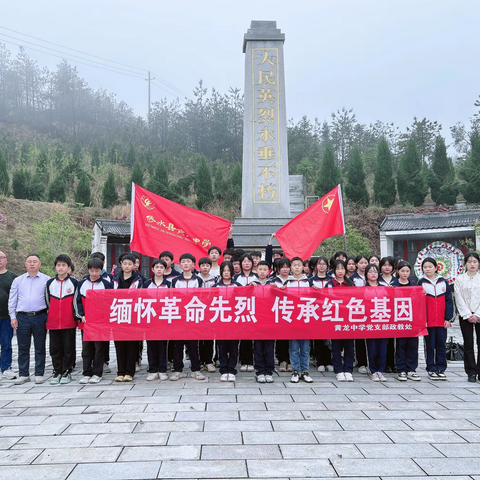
[
  {"x": 39, "y": 379},
  {"x": 261, "y": 379},
  {"x": 9, "y": 374},
  {"x": 137, "y": 367},
  {"x": 289, "y": 368},
  {"x": 243, "y": 368},
  {"x": 22, "y": 380},
  {"x": 362, "y": 370},
  {"x": 197, "y": 375},
  {"x": 348, "y": 377},
  {"x": 375, "y": 377},
  {"x": 55, "y": 380},
  {"x": 268, "y": 378},
  {"x": 176, "y": 376},
  {"x": 95, "y": 379},
  {"x": 163, "y": 376},
  {"x": 250, "y": 368},
  {"x": 381, "y": 376},
  {"x": 231, "y": 377},
  {"x": 330, "y": 368},
  {"x": 152, "y": 376},
  {"x": 341, "y": 377},
  {"x": 224, "y": 377},
  {"x": 321, "y": 368},
  {"x": 106, "y": 368},
  {"x": 84, "y": 380},
  {"x": 282, "y": 367},
  {"x": 210, "y": 368}
]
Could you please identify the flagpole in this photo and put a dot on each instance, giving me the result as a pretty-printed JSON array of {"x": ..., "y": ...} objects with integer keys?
[{"x": 343, "y": 217}]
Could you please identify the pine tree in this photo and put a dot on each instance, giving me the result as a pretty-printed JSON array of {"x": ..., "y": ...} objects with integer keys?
[
  {"x": 42, "y": 167},
  {"x": 384, "y": 191},
  {"x": 203, "y": 184},
  {"x": 109, "y": 192},
  {"x": 441, "y": 176},
  {"x": 4, "y": 178},
  {"x": 411, "y": 184},
  {"x": 158, "y": 182},
  {"x": 83, "y": 194},
  {"x": 470, "y": 172},
  {"x": 20, "y": 184},
  {"x": 136, "y": 177},
  {"x": 131, "y": 156},
  {"x": 355, "y": 189},
  {"x": 95, "y": 157},
  {"x": 56, "y": 190},
  {"x": 219, "y": 184},
  {"x": 329, "y": 175}
]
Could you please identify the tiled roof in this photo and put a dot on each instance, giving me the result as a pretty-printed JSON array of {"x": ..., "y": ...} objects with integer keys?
[
  {"x": 425, "y": 221},
  {"x": 118, "y": 228}
]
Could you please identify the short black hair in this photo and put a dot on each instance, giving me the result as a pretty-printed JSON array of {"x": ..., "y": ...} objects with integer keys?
[
  {"x": 246, "y": 256},
  {"x": 430, "y": 260},
  {"x": 62, "y": 258},
  {"x": 239, "y": 252},
  {"x": 204, "y": 260},
  {"x": 389, "y": 260},
  {"x": 99, "y": 255},
  {"x": 229, "y": 251},
  {"x": 187, "y": 256},
  {"x": 256, "y": 253},
  {"x": 235, "y": 258},
  {"x": 296, "y": 258},
  {"x": 278, "y": 252},
  {"x": 32, "y": 255},
  {"x": 95, "y": 263},
  {"x": 215, "y": 248},
  {"x": 369, "y": 267},
  {"x": 72, "y": 267},
  {"x": 339, "y": 254},
  {"x": 403, "y": 263},
  {"x": 468, "y": 255},
  {"x": 159, "y": 261},
  {"x": 228, "y": 265},
  {"x": 128, "y": 256},
  {"x": 166, "y": 253},
  {"x": 264, "y": 263},
  {"x": 283, "y": 262}
]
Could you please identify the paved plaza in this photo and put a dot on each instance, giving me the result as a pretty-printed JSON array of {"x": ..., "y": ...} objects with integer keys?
[{"x": 194, "y": 429}]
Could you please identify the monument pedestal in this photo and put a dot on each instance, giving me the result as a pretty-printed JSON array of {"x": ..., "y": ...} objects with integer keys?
[{"x": 254, "y": 233}]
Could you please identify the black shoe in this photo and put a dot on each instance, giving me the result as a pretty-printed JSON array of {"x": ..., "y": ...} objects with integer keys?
[
  {"x": 388, "y": 370},
  {"x": 441, "y": 375},
  {"x": 472, "y": 378}
]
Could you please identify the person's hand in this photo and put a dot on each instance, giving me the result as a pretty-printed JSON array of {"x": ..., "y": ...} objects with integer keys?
[
  {"x": 14, "y": 323},
  {"x": 316, "y": 287},
  {"x": 283, "y": 287},
  {"x": 447, "y": 324},
  {"x": 473, "y": 319},
  {"x": 83, "y": 319}
]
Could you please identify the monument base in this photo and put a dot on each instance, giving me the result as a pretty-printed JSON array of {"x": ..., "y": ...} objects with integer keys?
[{"x": 254, "y": 233}]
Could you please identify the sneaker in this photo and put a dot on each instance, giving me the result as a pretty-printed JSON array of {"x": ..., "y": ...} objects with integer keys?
[
  {"x": 84, "y": 380},
  {"x": 282, "y": 367},
  {"x": 341, "y": 377},
  {"x": 330, "y": 368},
  {"x": 9, "y": 374},
  {"x": 381, "y": 376},
  {"x": 472, "y": 378},
  {"x": 374, "y": 377},
  {"x": 402, "y": 376},
  {"x": 295, "y": 377},
  {"x": 137, "y": 367},
  {"x": 348, "y": 377},
  {"x": 289, "y": 368},
  {"x": 441, "y": 375},
  {"x": 95, "y": 379},
  {"x": 22, "y": 380},
  {"x": 67, "y": 378},
  {"x": 55, "y": 380},
  {"x": 152, "y": 376},
  {"x": 210, "y": 368},
  {"x": 306, "y": 377},
  {"x": 250, "y": 368},
  {"x": 432, "y": 375},
  {"x": 128, "y": 378},
  {"x": 414, "y": 376},
  {"x": 120, "y": 378},
  {"x": 261, "y": 379},
  {"x": 321, "y": 368},
  {"x": 197, "y": 375},
  {"x": 39, "y": 379},
  {"x": 363, "y": 370},
  {"x": 269, "y": 378},
  {"x": 176, "y": 376},
  {"x": 243, "y": 368},
  {"x": 231, "y": 377},
  {"x": 224, "y": 377},
  {"x": 163, "y": 376},
  {"x": 106, "y": 368}
]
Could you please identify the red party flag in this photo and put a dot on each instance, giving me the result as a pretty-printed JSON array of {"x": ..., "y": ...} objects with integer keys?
[
  {"x": 301, "y": 236},
  {"x": 159, "y": 224}
]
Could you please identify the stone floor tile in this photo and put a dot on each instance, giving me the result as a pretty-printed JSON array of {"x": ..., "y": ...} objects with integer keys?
[
  {"x": 272, "y": 406},
  {"x": 174, "y": 407},
  {"x": 54, "y": 411},
  {"x": 449, "y": 466},
  {"x": 142, "y": 417},
  {"x": 17, "y": 396},
  {"x": 11, "y": 412},
  {"x": 116, "y": 471},
  {"x": 399, "y": 450},
  {"x": 7, "y": 442},
  {"x": 149, "y": 427},
  {"x": 397, "y": 415},
  {"x": 291, "y": 468},
  {"x": 96, "y": 428},
  {"x": 434, "y": 477},
  {"x": 23, "y": 420},
  {"x": 320, "y": 398},
  {"x": 443, "y": 424},
  {"x": 27, "y": 402},
  {"x": 203, "y": 416},
  {"x": 354, "y": 406},
  {"x": 305, "y": 425},
  {"x": 346, "y": 467},
  {"x": 203, "y": 469},
  {"x": 19, "y": 457},
  {"x": 229, "y": 407},
  {"x": 285, "y": 398},
  {"x": 241, "y": 391},
  {"x": 277, "y": 438},
  {"x": 421, "y": 436},
  {"x": 36, "y": 472},
  {"x": 153, "y": 400},
  {"x": 471, "y": 415},
  {"x": 82, "y": 418},
  {"x": 115, "y": 409},
  {"x": 237, "y": 426},
  {"x": 241, "y": 452},
  {"x": 32, "y": 430},
  {"x": 334, "y": 415},
  {"x": 471, "y": 436},
  {"x": 412, "y": 406},
  {"x": 358, "y": 437},
  {"x": 457, "y": 450},
  {"x": 73, "y": 402},
  {"x": 78, "y": 455},
  {"x": 143, "y": 454},
  {"x": 320, "y": 451},
  {"x": 206, "y": 438},
  {"x": 262, "y": 415},
  {"x": 59, "y": 441},
  {"x": 350, "y": 425},
  {"x": 130, "y": 439}
]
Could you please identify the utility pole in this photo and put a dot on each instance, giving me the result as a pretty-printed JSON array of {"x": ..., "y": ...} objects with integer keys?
[{"x": 149, "y": 80}]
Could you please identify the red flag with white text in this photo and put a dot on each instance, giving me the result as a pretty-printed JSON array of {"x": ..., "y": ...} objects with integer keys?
[
  {"x": 158, "y": 224},
  {"x": 301, "y": 236}
]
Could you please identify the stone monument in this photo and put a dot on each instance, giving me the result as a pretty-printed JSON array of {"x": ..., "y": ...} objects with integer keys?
[{"x": 265, "y": 181}]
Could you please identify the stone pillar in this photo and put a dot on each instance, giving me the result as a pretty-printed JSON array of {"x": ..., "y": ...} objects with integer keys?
[{"x": 265, "y": 182}]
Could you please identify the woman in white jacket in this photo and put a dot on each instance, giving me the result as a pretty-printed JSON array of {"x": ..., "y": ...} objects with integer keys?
[{"x": 467, "y": 299}]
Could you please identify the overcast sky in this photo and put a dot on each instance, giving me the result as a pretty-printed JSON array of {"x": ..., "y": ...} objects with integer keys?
[{"x": 388, "y": 60}]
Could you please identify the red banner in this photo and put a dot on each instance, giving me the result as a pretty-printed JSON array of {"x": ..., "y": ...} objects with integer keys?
[
  {"x": 159, "y": 224},
  {"x": 264, "y": 312}
]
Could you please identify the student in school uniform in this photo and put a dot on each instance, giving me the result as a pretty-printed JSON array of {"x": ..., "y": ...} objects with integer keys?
[
  {"x": 336, "y": 256},
  {"x": 157, "y": 349},
  {"x": 351, "y": 266},
  {"x": 214, "y": 254}
]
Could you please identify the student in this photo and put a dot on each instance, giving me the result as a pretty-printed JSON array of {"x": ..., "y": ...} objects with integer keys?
[
  {"x": 322, "y": 351},
  {"x": 439, "y": 318},
  {"x": 93, "y": 353},
  {"x": 61, "y": 322},
  {"x": 170, "y": 272},
  {"x": 236, "y": 264},
  {"x": 228, "y": 254},
  {"x": 351, "y": 266},
  {"x": 406, "y": 348},
  {"x": 227, "y": 349},
  {"x": 214, "y": 254},
  {"x": 358, "y": 278},
  {"x": 336, "y": 256},
  {"x": 206, "y": 347},
  {"x": 342, "y": 368},
  {"x": 306, "y": 268},
  {"x": 299, "y": 350},
  {"x": 282, "y": 266},
  {"x": 256, "y": 257},
  {"x": 187, "y": 280},
  {"x": 374, "y": 260},
  {"x": 127, "y": 350},
  {"x": 157, "y": 349},
  {"x": 376, "y": 347}
]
